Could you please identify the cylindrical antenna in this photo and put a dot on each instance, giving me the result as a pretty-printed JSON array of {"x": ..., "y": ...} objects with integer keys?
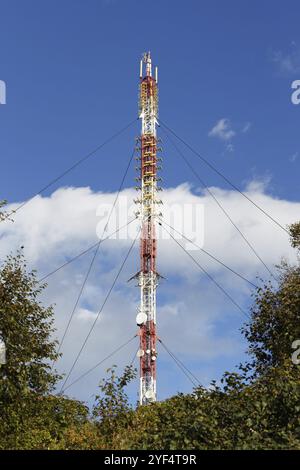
[
  {"x": 141, "y": 69},
  {"x": 148, "y": 65}
]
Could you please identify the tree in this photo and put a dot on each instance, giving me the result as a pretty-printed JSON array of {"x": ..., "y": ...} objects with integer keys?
[
  {"x": 275, "y": 322},
  {"x": 112, "y": 410},
  {"x": 26, "y": 327},
  {"x": 295, "y": 235},
  {"x": 47, "y": 422},
  {"x": 3, "y": 214}
]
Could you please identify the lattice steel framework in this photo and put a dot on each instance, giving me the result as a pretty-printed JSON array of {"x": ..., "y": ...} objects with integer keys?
[{"x": 148, "y": 204}]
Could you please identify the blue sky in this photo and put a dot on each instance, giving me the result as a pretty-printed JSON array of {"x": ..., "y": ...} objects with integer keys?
[{"x": 71, "y": 71}]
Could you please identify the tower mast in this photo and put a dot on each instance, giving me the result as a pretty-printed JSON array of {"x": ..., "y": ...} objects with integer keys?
[{"x": 148, "y": 277}]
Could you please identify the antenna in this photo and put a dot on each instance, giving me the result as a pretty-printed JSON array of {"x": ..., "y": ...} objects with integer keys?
[{"x": 147, "y": 201}]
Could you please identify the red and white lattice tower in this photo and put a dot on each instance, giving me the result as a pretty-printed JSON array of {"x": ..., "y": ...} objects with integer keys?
[{"x": 148, "y": 212}]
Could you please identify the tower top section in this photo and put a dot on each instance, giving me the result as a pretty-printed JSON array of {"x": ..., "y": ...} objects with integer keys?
[{"x": 146, "y": 70}]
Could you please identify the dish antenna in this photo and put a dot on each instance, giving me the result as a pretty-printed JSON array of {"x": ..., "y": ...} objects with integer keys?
[{"x": 2, "y": 352}]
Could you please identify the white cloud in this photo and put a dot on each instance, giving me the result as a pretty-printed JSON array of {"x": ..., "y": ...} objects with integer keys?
[
  {"x": 259, "y": 184},
  {"x": 194, "y": 318},
  {"x": 288, "y": 62},
  {"x": 246, "y": 128},
  {"x": 294, "y": 157},
  {"x": 230, "y": 147},
  {"x": 222, "y": 130}
]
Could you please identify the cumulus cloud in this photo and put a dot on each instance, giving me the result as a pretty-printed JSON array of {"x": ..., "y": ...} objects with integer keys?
[
  {"x": 294, "y": 157},
  {"x": 287, "y": 62},
  {"x": 222, "y": 130},
  {"x": 195, "y": 319},
  {"x": 246, "y": 127}
]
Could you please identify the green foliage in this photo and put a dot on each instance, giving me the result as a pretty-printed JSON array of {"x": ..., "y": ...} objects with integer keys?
[
  {"x": 30, "y": 416},
  {"x": 3, "y": 214},
  {"x": 112, "y": 411},
  {"x": 295, "y": 235},
  {"x": 26, "y": 327},
  {"x": 234, "y": 416},
  {"x": 275, "y": 321},
  {"x": 42, "y": 422}
]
